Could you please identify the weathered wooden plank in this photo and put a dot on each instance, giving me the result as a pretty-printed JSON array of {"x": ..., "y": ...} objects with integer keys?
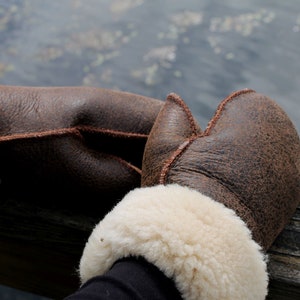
[
  {"x": 41, "y": 247},
  {"x": 284, "y": 262}
]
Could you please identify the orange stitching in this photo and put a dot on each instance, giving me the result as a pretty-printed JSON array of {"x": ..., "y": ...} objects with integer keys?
[
  {"x": 174, "y": 97},
  {"x": 178, "y": 152},
  {"x": 220, "y": 109},
  {"x": 74, "y": 130}
]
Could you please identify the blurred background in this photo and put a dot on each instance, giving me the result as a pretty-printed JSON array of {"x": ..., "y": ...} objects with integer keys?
[{"x": 201, "y": 50}]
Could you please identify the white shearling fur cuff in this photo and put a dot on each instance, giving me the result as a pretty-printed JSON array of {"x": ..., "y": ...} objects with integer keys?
[{"x": 203, "y": 246}]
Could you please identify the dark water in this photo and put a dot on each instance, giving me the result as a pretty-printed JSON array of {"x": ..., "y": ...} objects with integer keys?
[{"x": 202, "y": 50}]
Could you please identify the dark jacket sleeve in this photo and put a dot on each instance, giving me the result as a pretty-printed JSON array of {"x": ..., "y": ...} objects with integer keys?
[{"x": 129, "y": 278}]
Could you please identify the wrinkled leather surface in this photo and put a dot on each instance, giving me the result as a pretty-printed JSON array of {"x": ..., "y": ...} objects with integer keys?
[
  {"x": 247, "y": 158},
  {"x": 62, "y": 143}
]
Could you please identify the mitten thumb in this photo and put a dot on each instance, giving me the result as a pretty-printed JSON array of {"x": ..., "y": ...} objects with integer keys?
[{"x": 172, "y": 129}]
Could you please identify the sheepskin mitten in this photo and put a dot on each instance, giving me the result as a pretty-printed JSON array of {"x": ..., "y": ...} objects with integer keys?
[
  {"x": 72, "y": 142},
  {"x": 212, "y": 202},
  {"x": 247, "y": 159}
]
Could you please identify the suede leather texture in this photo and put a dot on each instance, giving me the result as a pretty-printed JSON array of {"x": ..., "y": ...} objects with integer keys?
[
  {"x": 247, "y": 158},
  {"x": 62, "y": 143}
]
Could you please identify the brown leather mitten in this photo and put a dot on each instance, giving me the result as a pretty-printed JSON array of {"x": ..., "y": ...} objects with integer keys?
[
  {"x": 65, "y": 142},
  {"x": 247, "y": 158},
  {"x": 211, "y": 203}
]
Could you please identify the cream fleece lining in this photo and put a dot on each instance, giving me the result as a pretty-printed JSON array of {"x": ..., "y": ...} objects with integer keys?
[{"x": 198, "y": 242}]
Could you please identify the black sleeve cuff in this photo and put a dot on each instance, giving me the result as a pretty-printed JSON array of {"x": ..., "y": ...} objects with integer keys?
[{"x": 129, "y": 278}]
